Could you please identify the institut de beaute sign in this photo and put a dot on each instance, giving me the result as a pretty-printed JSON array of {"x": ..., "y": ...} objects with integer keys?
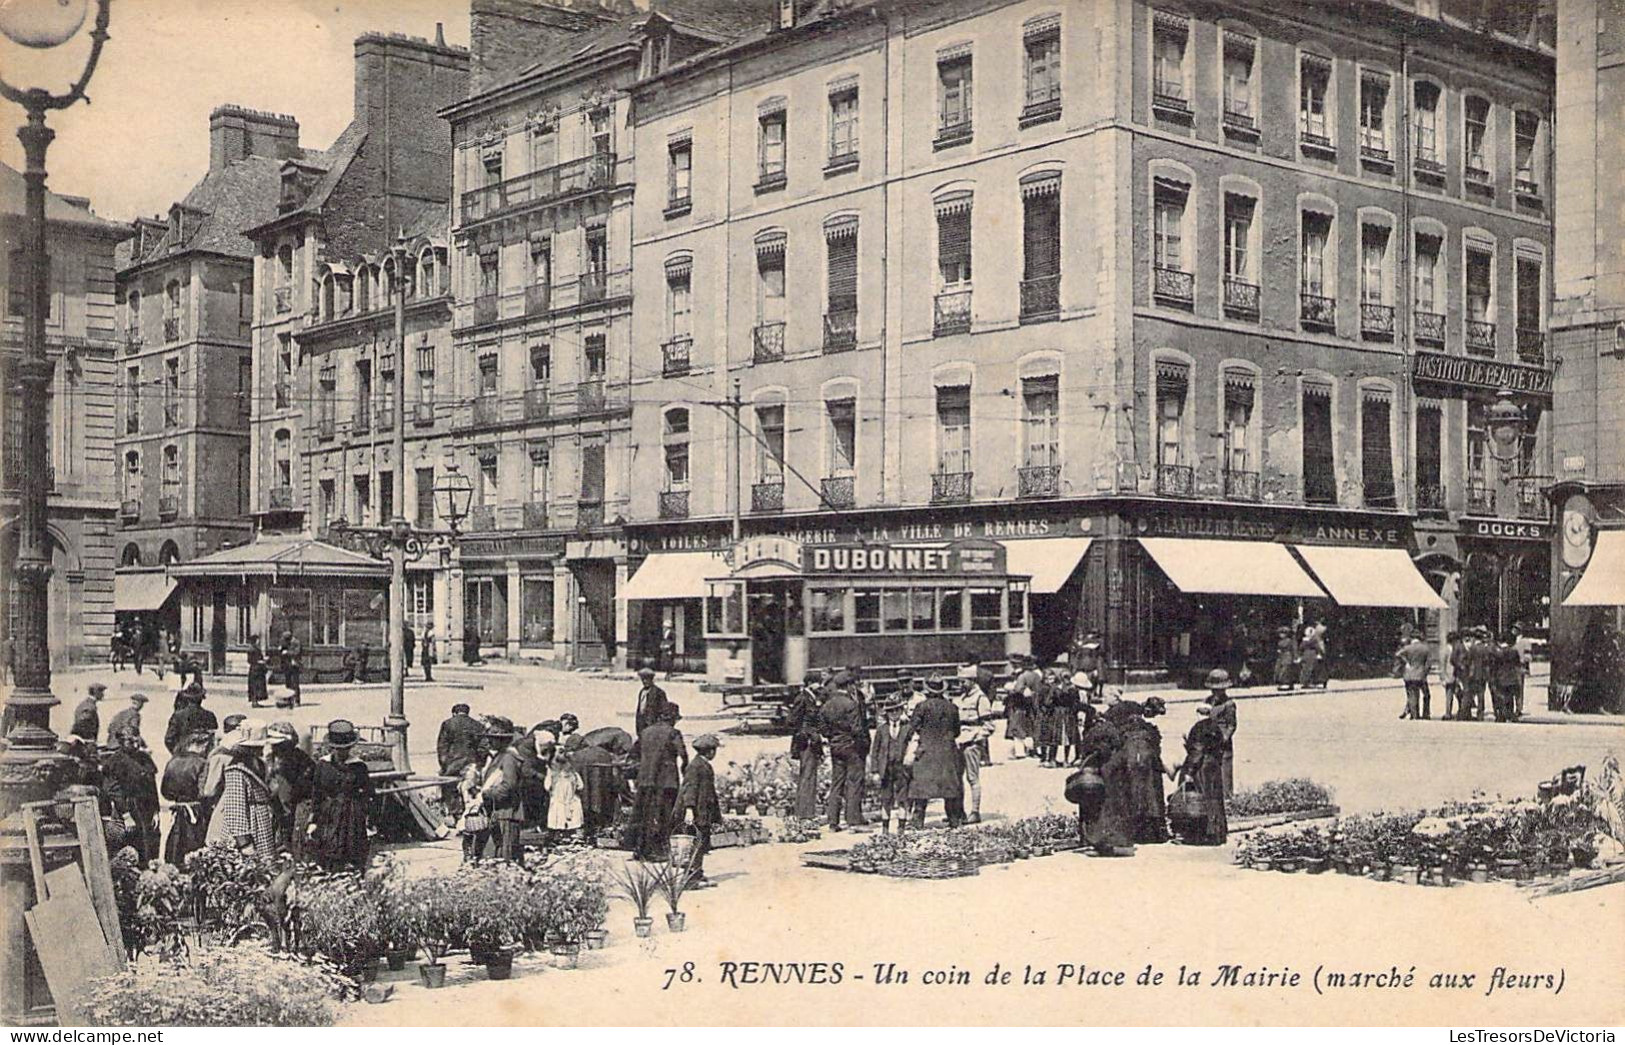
[{"x": 1489, "y": 374}]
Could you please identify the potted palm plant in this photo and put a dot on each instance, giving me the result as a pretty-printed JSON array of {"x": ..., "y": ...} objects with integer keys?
[
  {"x": 673, "y": 881},
  {"x": 432, "y": 908},
  {"x": 638, "y": 886},
  {"x": 494, "y": 903},
  {"x": 340, "y": 916}
]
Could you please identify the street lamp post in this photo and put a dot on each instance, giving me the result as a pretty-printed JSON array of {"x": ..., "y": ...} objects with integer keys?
[
  {"x": 395, "y": 723},
  {"x": 30, "y": 763}
]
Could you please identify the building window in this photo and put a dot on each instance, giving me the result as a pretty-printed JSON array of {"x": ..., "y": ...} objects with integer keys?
[
  {"x": 1172, "y": 279},
  {"x": 487, "y": 486},
  {"x": 954, "y": 240},
  {"x": 284, "y": 371},
  {"x": 1429, "y": 456},
  {"x": 770, "y": 145},
  {"x": 1316, "y": 261},
  {"x": 1240, "y": 101},
  {"x": 423, "y": 488},
  {"x": 1478, "y": 447},
  {"x": 1527, "y": 301},
  {"x": 132, "y": 305},
  {"x": 386, "y": 495},
  {"x": 679, "y": 302},
  {"x": 770, "y": 445},
  {"x": 488, "y": 374},
  {"x": 1041, "y": 247},
  {"x": 1376, "y": 449},
  {"x": 675, "y": 436},
  {"x": 1319, "y": 460},
  {"x": 843, "y": 126},
  {"x": 1425, "y": 113},
  {"x": 536, "y": 609},
  {"x": 1041, "y": 421},
  {"x": 327, "y": 385},
  {"x": 1427, "y": 274},
  {"x": 1374, "y": 264},
  {"x": 282, "y": 459},
  {"x": 541, "y": 262},
  {"x": 540, "y": 462},
  {"x": 954, "y": 110},
  {"x": 770, "y": 286},
  {"x": 361, "y": 418},
  {"x": 1314, "y": 100},
  {"x": 1374, "y": 117},
  {"x": 132, "y": 476},
  {"x": 1173, "y": 382},
  {"x": 842, "y": 419},
  {"x": 172, "y": 392},
  {"x": 425, "y": 358},
  {"x": 1238, "y": 425},
  {"x": 1526, "y": 133},
  {"x": 841, "y": 277},
  {"x": 679, "y": 173},
  {"x": 597, "y": 253},
  {"x": 324, "y": 504},
  {"x": 1042, "y": 43},
  {"x": 132, "y": 400},
  {"x": 592, "y": 473},
  {"x": 1170, "y": 35},
  {"x": 1240, "y": 257},
  {"x": 490, "y": 274},
  {"x": 1479, "y": 277},
  {"x": 953, "y": 430},
  {"x": 541, "y": 366},
  {"x": 491, "y": 161},
  {"x": 598, "y": 126},
  {"x": 362, "y": 486},
  {"x": 1475, "y": 116},
  {"x": 595, "y": 357}
]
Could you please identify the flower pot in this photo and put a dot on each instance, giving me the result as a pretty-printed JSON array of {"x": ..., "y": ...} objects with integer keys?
[
  {"x": 595, "y": 939},
  {"x": 364, "y": 971},
  {"x": 566, "y": 955},
  {"x": 676, "y": 920},
  {"x": 432, "y": 974},
  {"x": 1410, "y": 874},
  {"x": 1315, "y": 864},
  {"x": 642, "y": 926},
  {"x": 500, "y": 967},
  {"x": 1509, "y": 870},
  {"x": 1479, "y": 873},
  {"x": 396, "y": 960},
  {"x": 1379, "y": 872},
  {"x": 1583, "y": 857},
  {"x": 1287, "y": 865}
]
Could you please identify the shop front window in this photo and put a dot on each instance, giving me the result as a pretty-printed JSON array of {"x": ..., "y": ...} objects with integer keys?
[{"x": 985, "y": 609}]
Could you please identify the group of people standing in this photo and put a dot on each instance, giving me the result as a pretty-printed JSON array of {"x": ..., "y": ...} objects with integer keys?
[
  {"x": 1475, "y": 665},
  {"x": 1300, "y": 659}
]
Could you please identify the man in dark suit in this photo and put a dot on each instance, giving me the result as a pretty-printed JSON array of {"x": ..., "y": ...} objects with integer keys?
[
  {"x": 886, "y": 768},
  {"x": 698, "y": 801},
  {"x": 659, "y": 752},
  {"x": 87, "y": 717},
  {"x": 841, "y": 722},
  {"x": 934, "y": 728},
  {"x": 189, "y": 716},
  {"x": 128, "y": 720},
  {"x": 132, "y": 789},
  {"x": 1476, "y": 665},
  {"x": 501, "y": 793},
  {"x": 458, "y": 745},
  {"x": 806, "y": 748},
  {"x": 409, "y": 643},
  {"x": 651, "y": 699}
]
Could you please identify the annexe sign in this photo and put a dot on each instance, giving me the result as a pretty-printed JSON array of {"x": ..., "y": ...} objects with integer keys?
[
  {"x": 1489, "y": 374},
  {"x": 1296, "y": 530}
]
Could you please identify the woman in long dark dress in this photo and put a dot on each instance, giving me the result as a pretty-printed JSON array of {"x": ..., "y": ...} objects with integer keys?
[
  {"x": 1109, "y": 829},
  {"x": 1203, "y": 769},
  {"x": 1286, "y": 660},
  {"x": 1142, "y": 750},
  {"x": 182, "y": 787},
  {"x": 341, "y": 791}
]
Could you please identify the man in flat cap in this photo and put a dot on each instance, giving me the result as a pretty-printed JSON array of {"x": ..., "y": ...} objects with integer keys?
[
  {"x": 697, "y": 799},
  {"x": 87, "y": 717},
  {"x": 651, "y": 699},
  {"x": 458, "y": 745},
  {"x": 128, "y": 720}
]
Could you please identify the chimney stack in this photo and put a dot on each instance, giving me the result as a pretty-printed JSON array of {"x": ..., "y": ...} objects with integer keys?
[{"x": 236, "y": 132}]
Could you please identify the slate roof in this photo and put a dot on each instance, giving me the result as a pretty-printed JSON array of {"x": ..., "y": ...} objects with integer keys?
[
  {"x": 240, "y": 195},
  {"x": 336, "y": 159},
  {"x": 13, "y": 203},
  {"x": 283, "y": 556}
]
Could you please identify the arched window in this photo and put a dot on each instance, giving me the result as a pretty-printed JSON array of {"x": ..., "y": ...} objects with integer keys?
[
  {"x": 169, "y": 554},
  {"x": 674, "y": 436},
  {"x": 131, "y": 556},
  {"x": 283, "y": 459},
  {"x": 363, "y": 289},
  {"x": 132, "y": 479}
]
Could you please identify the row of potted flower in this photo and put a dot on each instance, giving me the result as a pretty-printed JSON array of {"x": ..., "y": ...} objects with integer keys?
[
  {"x": 939, "y": 853},
  {"x": 1293, "y": 795}
]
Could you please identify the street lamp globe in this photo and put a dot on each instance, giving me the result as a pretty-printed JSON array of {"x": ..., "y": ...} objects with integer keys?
[
  {"x": 42, "y": 23},
  {"x": 1506, "y": 424},
  {"x": 456, "y": 493}
]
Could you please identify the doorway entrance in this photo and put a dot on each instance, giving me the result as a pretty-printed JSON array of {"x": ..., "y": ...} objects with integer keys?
[{"x": 774, "y": 612}]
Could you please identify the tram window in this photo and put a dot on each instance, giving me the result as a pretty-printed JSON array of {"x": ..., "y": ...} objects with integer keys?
[
  {"x": 725, "y": 610},
  {"x": 985, "y": 611},
  {"x": 925, "y": 609},
  {"x": 951, "y": 603},
  {"x": 894, "y": 609},
  {"x": 866, "y": 612},
  {"x": 828, "y": 609},
  {"x": 1018, "y": 607}
]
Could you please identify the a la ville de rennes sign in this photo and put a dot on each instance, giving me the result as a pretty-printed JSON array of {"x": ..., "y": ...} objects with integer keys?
[{"x": 1461, "y": 372}]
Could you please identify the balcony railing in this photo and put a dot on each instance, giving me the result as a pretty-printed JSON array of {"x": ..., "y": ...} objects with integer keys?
[
  {"x": 1241, "y": 299},
  {"x": 1531, "y": 346},
  {"x": 950, "y": 487},
  {"x": 487, "y": 409},
  {"x": 169, "y": 506},
  {"x": 535, "y": 515},
  {"x": 174, "y": 327},
  {"x": 1040, "y": 298},
  {"x": 951, "y": 314},
  {"x": 1526, "y": 187},
  {"x": 487, "y": 307},
  {"x": 1173, "y": 286},
  {"x": 361, "y": 424},
  {"x": 282, "y": 299},
  {"x": 1377, "y": 321},
  {"x": 958, "y": 132},
  {"x": 1430, "y": 497},
  {"x": 840, "y": 491},
  {"x": 1240, "y": 485},
  {"x": 280, "y": 498},
  {"x": 1168, "y": 98},
  {"x": 133, "y": 341},
  {"x": 1476, "y": 177},
  {"x": 1379, "y": 493},
  {"x": 594, "y": 286},
  {"x": 1428, "y": 328},
  {"x": 1239, "y": 123},
  {"x": 1042, "y": 105},
  {"x": 589, "y": 514},
  {"x": 1038, "y": 480},
  {"x": 674, "y": 504},
  {"x": 326, "y": 428},
  {"x": 1480, "y": 499},
  {"x": 537, "y": 403},
  {"x": 767, "y": 497},
  {"x": 565, "y": 179},
  {"x": 482, "y": 518},
  {"x": 677, "y": 206},
  {"x": 1480, "y": 337},
  {"x": 1427, "y": 165},
  {"x": 767, "y": 343},
  {"x": 841, "y": 324},
  {"x": 538, "y": 298},
  {"x": 675, "y": 356},
  {"x": 590, "y": 395},
  {"x": 1317, "y": 311},
  {"x": 423, "y": 413},
  {"x": 1176, "y": 480},
  {"x": 130, "y": 509},
  {"x": 1532, "y": 500}
]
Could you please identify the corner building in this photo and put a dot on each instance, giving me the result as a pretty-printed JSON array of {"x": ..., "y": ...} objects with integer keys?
[{"x": 1178, "y": 323}]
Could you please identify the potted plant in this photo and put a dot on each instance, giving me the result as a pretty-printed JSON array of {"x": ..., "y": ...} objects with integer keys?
[
  {"x": 638, "y": 886},
  {"x": 494, "y": 903},
  {"x": 432, "y": 908},
  {"x": 397, "y": 929},
  {"x": 575, "y": 902},
  {"x": 340, "y": 916},
  {"x": 673, "y": 881}
]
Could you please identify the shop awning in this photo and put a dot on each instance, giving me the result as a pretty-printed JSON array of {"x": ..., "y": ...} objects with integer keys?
[
  {"x": 675, "y": 575},
  {"x": 1231, "y": 567},
  {"x": 1603, "y": 582},
  {"x": 1049, "y": 561},
  {"x": 141, "y": 592},
  {"x": 1371, "y": 577}
]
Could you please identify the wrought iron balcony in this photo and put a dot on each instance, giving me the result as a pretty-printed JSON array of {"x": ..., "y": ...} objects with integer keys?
[
  {"x": 1376, "y": 321},
  {"x": 487, "y": 409},
  {"x": 674, "y": 504},
  {"x": 767, "y": 343},
  {"x": 1040, "y": 298},
  {"x": 1316, "y": 141},
  {"x": 423, "y": 413},
  {"x": 840, "y": 491},
  {"x": 677, "y": 206},
  {"x": 1428, "y": 328},
  {"x": 950, "y": 487},
  {"x": 361, "y": 424},
  {"x": 537, "y": 403},
  {"x": 1379, "y": 493},
  {"x": 1527, "y": 187},
  {"x": 538, "y": 298},
  {"x": 1427, "y": 165},
  {"x": 960, "y": 131},
  {"x": 1480, "y": 337},
  {"x": 535, "y": 515},
  {"x": 1480, "y": 499},
  {"x": 1238, "y": 122},
  {"x": 767, "y": 497},
  {"x": 169, "y": 506},
  {"x": 282, "y": 299},
  {"x": 841, "y": 324},
  {"x": 1317, "y": 311},
  {"x": 130, "y": 509},
  {"x": 486, "y": 309},
  {"x": 1240, "y": 485},
  {"x": 770, "y": 179},
  {"x": 482, "y": 518},
  {"x": 326, "y": 428},
  {"x": 1476, "y": 177},
  {"x": 280, "y": 498},
  {"x": 1430, "y": 497},
  {"x": 133, "y": 341},
  {"x": 1176, "y": 480},
  {"x": 1043, "y": 104},
  {"x": 594, "y": 286},
  {"x": 1531, "y": 346},
  {"x": 587, "y": 174},
  {"x": 1168, "y": 99},
  {"x": 1173, "y": 287},
  {"x": 839, "y": 162},
  {"x": 589, "y": 514},
  {"x": 675, "y": 356},
  {"x": 1038, "y": 480},
  {"x": 1532, "y": 500},
  {"x": 951, "y": 314},
  {"x": 174, "y": 328},
  {"x": 590, "y": 396},
  {"x": 1240, "y": 299}
]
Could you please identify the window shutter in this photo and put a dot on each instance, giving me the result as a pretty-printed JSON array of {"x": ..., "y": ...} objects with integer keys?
[
  {"x": 1041, "y": 227},
  {"x": 953, "y": 230},
  {"x": 592, "y": 472},
  {"x": 842, "y": 245}
]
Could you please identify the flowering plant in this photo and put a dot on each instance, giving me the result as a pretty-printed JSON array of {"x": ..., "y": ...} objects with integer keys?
[
  {"x": 242, "y": 986},
  {"x": 1279, "y": 796},
  {"x": 151, "y": 904},
  {"x": 341, "y": 917},
  {"x": 430, "y": 907},
  {"x": 225, "y": 885}
]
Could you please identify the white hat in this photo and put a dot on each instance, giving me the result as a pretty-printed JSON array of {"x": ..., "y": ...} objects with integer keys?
[{"x": 1083, "y": 681}]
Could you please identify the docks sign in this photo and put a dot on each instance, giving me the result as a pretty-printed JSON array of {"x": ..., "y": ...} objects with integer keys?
[{"x": 1462, "y": 372}]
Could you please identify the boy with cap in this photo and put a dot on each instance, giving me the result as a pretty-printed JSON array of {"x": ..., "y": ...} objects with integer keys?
[
  {"x": 128, "y": 720},
  {"x": 887, "y": 769},
  {"x": 651, "y": 700},
  {"x": 87, "y": 718},
  {"x": 697, "y": 799}
]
